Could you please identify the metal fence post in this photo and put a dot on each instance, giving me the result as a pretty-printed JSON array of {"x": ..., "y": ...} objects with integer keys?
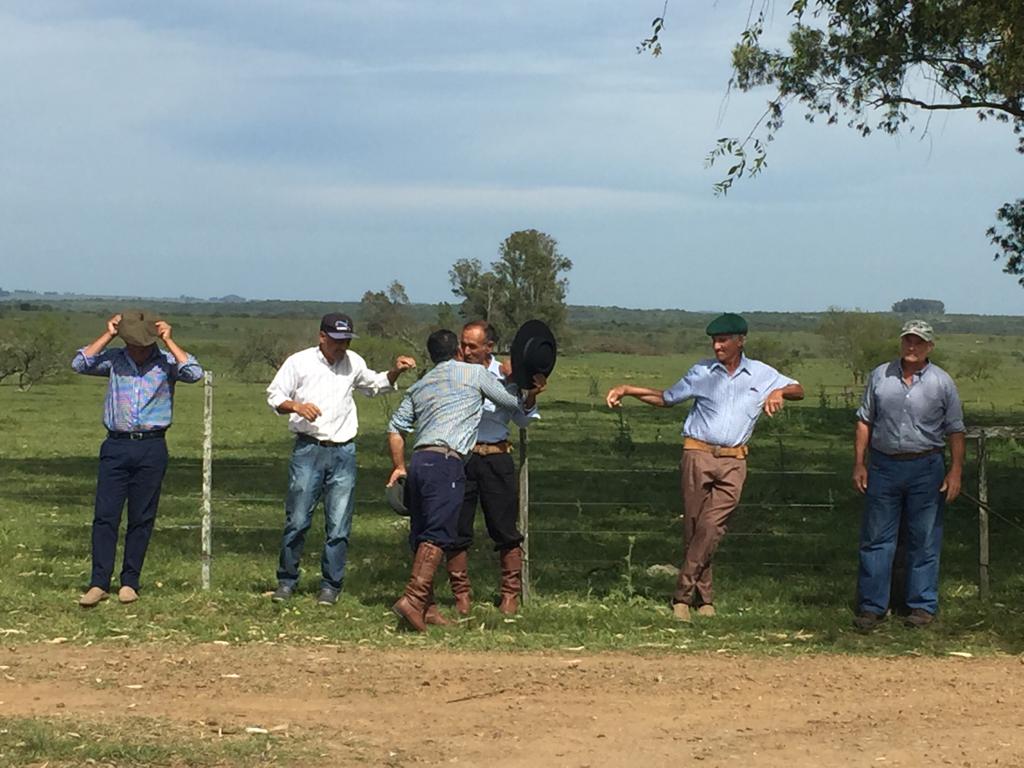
[
  {"x": 524, "y": 510},
  {"x": 207, "y": 542}
]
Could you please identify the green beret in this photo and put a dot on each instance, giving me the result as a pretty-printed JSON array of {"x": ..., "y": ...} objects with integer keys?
[{"x": 727, "y": 324}]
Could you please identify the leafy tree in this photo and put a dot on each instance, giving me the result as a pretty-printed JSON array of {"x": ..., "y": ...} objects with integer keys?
[
  {"x": 526, "y": 281},
  {"x": 978, "y": 365},
  {"x": 919, "y": 307},
  {"x": 873, "y": 64},
  {"x": 31, "y": 354},
  {"x": 261, "y": 352},
  {"x": 386, "y": 313},
  {"x": 859, "y": 340}
]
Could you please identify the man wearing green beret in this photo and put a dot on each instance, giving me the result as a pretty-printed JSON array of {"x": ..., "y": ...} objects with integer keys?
[{"x": 729, "y": 393}]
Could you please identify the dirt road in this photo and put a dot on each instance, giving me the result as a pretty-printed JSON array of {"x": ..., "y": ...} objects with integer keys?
[{"x": 397, "y": 708}]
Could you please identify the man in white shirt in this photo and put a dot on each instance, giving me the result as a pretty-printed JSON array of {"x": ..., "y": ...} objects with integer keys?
[
  {"x": 491, "y": 481},
  {"x": 315, "y": 387}
]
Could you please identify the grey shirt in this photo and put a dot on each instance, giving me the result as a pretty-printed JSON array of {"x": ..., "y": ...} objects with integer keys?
[
  {"x": 910, "y": 419},
  {"x": 445, "y": 405}
]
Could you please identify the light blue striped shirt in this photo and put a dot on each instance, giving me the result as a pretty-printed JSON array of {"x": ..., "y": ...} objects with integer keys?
[
  {"x": 910, "y": 419},
  {"x": 494, "y": 420},
  {"x": 725, "y": 408},
  {"x": 445, "y": 405}
]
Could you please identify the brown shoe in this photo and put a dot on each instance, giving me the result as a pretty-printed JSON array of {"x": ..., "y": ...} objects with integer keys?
[
  {"x": 866, "y": 621},
  {"x": 412, "y": 606},
  {"x": 511, "y": 580},
  {"x": 92, "y": 597},
  {"x": 433, "y": 616},
  {"x": 458, "y": 577},
  {"x": 127, "y": 595},
  {"x": 707, "y": 610},
  {"x": 919, "y": 618},
  {"x": 680, "y": 611}
]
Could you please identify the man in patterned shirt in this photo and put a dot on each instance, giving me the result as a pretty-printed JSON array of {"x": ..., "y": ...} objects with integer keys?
[
  {"x": 133, "y": 458},
  {"x": 729, "y": 394},
  {"x": 444, "y": 407}
]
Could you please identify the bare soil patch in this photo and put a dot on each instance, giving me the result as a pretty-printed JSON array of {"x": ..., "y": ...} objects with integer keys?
[{"x": 427, "y": 707}]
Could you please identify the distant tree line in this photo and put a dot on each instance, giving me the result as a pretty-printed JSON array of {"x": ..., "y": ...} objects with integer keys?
[{"x": 919, "y": 307}]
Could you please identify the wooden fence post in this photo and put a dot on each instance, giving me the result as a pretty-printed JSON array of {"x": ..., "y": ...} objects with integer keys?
[
  {"x": 207, "y": 542},
  {"x": 983, "y": 584},
  {"x": 524, "y": 510}
]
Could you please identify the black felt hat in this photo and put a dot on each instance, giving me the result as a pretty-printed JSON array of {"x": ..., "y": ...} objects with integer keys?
[
  {"x": 534, "y": 351},
  {"x": 395, "y": 495}
]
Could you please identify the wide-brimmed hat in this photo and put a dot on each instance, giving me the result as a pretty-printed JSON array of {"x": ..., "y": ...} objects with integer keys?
[
  {"x": 138, "y": 327},
  {"x": 395, "y": 495},
  {"x": 534, "y": 351}
]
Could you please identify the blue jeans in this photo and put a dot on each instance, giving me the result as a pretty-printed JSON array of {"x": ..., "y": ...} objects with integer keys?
[
  {"x": 315, "y": 471},
  {"x": 907, "y": 489}
]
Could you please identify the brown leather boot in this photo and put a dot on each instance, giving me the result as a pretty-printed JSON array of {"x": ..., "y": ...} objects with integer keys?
[
  {"x": 412, "y": 605},
  {"x": 458, "y": 577},
  {"x": 511, "y": 579},
  {"x": 432, "y": 615}
]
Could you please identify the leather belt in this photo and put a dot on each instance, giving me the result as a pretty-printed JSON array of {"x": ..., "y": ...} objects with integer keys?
[
  {"x": 911, "y": 456},
  {"x": 444, "y": 450},
  {"x": 488, "y": 449},
  {"x": 718, "y": 451},
  {"x": 152, "y": 434},
  {"x": 325, "y": 443}
]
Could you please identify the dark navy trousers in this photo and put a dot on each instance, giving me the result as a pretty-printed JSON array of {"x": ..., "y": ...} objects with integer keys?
[
  {"x": 433, "y": 493},
  {"x": 132, "y": 471}
]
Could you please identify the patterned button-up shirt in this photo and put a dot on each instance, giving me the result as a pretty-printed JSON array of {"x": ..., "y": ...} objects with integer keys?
[
  {"x": 914, "y": 418},
  {"x": 725, "y": 408},
  {"x": 140, "y": 398},
  {"x": 445, "y": 405}
]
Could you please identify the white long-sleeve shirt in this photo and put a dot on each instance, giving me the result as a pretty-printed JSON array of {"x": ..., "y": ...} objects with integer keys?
[{"x": 307, "y": 377}]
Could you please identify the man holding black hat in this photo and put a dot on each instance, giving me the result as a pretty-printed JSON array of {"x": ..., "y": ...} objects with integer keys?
[
  {"x": 910, "y": 409},
  {"x": 491, "y": 480},
  {"x": 316, "y": 387},
  {"x": 444, "y": 407},
  {"x": 133, "y": 458},
  {"x": 729, "y": 394}
]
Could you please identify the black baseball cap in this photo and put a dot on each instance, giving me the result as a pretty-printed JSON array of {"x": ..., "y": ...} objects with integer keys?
[{"x": 337, "y": 326}]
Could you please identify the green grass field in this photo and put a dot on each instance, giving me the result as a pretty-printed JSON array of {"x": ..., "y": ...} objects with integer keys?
[{"x": 604, "y": 519}]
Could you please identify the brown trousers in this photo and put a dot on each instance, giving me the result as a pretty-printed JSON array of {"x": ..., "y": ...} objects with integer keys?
[{"x": 711, "y": 490}]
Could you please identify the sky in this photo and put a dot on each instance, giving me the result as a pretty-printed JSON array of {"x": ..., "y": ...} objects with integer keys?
[{"x": 315, "y": 150}]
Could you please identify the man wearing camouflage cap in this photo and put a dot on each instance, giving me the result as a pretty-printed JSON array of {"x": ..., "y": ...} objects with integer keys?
[
  {"x": 729, "y": 393},
  {"x": 910, "y": 409}
]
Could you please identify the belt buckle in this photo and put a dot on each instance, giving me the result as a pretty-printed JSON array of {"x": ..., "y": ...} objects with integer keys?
[
  {"x": 135, "y": 435},
  {"x": 716, "y": 451}
]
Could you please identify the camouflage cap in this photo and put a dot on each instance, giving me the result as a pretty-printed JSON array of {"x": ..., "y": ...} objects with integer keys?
[
  {"x": 727, "y": 324},
  {"x": 138, "y": 327},
  {"x": 918, "y": 328}
]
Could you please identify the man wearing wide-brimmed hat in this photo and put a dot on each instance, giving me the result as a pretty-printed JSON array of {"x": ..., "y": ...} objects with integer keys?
[
  {"x": 133, "y": 458},
  {"x": 910, "y": 410},
  {"x": 316, "y": 389},
  {"x": 729, "y": 393}
]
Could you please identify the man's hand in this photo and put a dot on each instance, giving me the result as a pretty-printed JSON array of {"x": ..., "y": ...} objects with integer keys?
[
  {"x": 404, "y": 363},
  {"x": 615, "y": 395},
  {"x": 860, "y": 478},
  {"x": 540, "y": 383},
  {"x": 505, "y": 368},
  {"x": 112, "y": 324},
  {"x": 308, "y": 411},
  {"x": 951, "y": 485},
  {"x": 774, "y": 402},
  {"x": 396, "y": 473},
  {"x": 163, "y": 330}
]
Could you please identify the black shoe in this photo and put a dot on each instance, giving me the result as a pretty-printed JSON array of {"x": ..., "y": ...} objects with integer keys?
[
  {"x": 282, "y": 593},
  {"x": 327, "y": 596},
  {"x": 919, "y": 618},
  {"x": 867, "y": 621}
]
